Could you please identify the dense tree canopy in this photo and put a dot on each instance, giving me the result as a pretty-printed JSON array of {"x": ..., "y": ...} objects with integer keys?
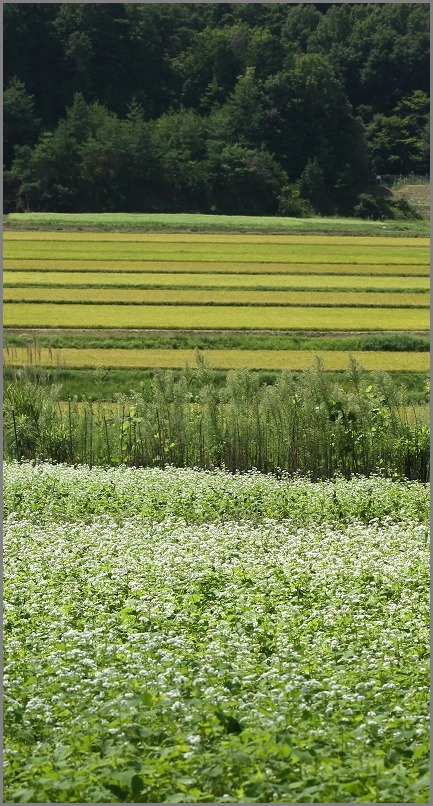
[{"x": 236, "y": 108}]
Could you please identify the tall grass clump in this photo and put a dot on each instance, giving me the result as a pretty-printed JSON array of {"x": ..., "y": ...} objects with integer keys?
[{"x": 303, "y": 423}]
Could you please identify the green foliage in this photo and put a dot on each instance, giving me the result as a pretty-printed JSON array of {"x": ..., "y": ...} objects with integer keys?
[
  {"x": 312, "y": 186},
  {"x": 402, "y": 208},
  {"x": 241, "y": 118},
  {"x": 302, "y": 20},
  {"x": 246, "y": 180},
  {"x": 399, "y": 142},
  {"x": 292, "y": 204},
  {"x": 376, "y": 208},
  {"x": 379, "y": 208},
  {"x": 92, "y": 161},
  {"x": 178, "y": 140},
  {"x": 309, "y": 122},
  {"x": 209, "y": 69},
  {"x": 20, "y": 126}
]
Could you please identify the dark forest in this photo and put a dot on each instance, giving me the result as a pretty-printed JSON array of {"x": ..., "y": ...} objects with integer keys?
[{"x": 269, "y": 109}]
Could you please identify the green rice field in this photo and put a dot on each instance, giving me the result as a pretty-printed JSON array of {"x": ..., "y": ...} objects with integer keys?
[
  {"x": 214, "y": 267},
  {"x": 209, "y": 238}
]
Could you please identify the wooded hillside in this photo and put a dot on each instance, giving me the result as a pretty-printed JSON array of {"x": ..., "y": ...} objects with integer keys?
[{"x": 219, "y": 108}]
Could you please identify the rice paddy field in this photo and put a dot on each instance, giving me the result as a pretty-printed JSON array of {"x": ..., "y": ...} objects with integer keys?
[{"x": 216, "y": 282}]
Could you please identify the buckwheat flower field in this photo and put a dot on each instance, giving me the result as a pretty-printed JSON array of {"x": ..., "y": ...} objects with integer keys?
[{"x": 190, "y": 636}]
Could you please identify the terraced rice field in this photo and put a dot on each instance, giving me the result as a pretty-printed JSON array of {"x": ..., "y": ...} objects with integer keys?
[{"x": 217, "y": 282}]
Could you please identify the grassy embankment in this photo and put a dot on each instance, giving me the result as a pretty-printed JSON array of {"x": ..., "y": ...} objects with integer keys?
[{"x": 166, "y": 222}]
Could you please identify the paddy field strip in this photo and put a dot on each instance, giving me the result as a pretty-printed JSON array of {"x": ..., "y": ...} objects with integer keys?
[
  {"x": 209, "y": 238},
  {"x": 226, "y": 317},
  {"x": 86, "y": 358},
  {"x": 260, "y": 282},
  {"x": 217, "y": 267},
  {"x": 228, "y": 251},
  {"x": 237, "y": 297}
]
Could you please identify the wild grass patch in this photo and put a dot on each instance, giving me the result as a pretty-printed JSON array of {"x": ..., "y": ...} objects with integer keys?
[
  {"x": 305, "y": 422},
  {"x": 390, "y": 342}
]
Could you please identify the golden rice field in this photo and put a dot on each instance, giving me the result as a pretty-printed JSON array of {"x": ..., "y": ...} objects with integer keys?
[
  {"x": 288, "y": 282},
  {"x": 226, "y": 317},
  {"x": 189, "y": 296},
  {"x": 218, "y": 359}
]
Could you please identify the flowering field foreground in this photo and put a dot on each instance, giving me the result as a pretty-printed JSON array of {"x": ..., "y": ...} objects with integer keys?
[{"x": 190, "y": 636}]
